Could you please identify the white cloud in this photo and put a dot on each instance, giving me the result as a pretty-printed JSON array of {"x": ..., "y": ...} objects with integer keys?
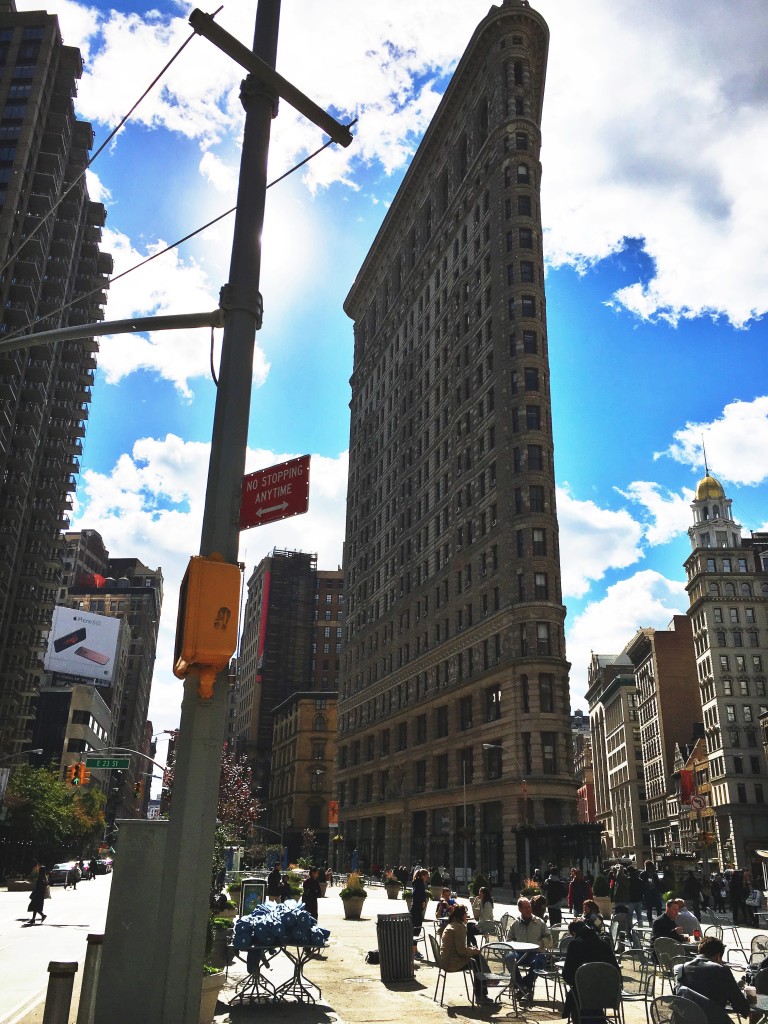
[
  {"x": 593, "y": 540},
  {"x": 645, "y": 599},
  {"x": 670, "y": 513},
  {"x": 655, "y": 130},
  {"x": 150, "y": 505},
  {"x": 640, "y": 142},
  {"x": 168, "y": 284},
  {"x": 221, "y": 175},
  {"x": 736, "y": 443}
]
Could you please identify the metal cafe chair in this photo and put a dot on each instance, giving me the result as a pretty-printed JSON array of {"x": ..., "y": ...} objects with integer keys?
[
  {"x": 597, "y": 987},
  {"x": 442, "y": 975}
]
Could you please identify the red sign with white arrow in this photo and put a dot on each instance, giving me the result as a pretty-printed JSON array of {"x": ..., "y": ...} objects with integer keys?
[{"x": 275, "y": 493}]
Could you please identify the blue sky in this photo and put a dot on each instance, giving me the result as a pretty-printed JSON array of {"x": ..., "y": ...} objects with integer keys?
[{"x": 655, "y": 209}]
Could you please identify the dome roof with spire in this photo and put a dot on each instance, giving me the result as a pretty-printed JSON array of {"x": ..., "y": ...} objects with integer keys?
[{"x": 709, "y": 488}]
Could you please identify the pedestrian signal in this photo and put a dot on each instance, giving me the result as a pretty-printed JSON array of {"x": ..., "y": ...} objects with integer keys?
[{"x": 137, "y": 791}]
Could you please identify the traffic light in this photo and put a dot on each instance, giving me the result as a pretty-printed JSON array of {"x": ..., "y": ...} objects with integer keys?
[
  {"x": 86, "y": 775},
  {"x": 137, "y": 789},
  {"x": 77, "y": 773},
  {"x": 69, "y": 775}
]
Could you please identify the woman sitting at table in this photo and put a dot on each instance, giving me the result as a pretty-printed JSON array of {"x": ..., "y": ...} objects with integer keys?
[
  {"x": 591, "y": 914},
  {"x": 482, "y": 910},
  {"x": 456, "y": 955}
]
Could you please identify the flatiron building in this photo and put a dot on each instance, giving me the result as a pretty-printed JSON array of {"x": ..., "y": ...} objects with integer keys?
[{"x": 454, "y": 743}]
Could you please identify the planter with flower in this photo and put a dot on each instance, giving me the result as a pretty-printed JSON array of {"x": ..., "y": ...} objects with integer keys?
[
  {"x": 392, "y": 886},
  {"x": 353, "y": 896}
]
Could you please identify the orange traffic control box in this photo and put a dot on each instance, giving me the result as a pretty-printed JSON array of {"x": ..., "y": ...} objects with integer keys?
[{"x": 206, "y": 629}]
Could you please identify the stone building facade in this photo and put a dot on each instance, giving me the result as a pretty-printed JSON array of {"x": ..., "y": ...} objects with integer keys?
[
  {"x": 616, "y": 757},
  {"x": 727, "y": 584},
  {"x": 301, "y": 781},
  {"x": 454, "y": 729},
  {"x": 668, "y": 710}
]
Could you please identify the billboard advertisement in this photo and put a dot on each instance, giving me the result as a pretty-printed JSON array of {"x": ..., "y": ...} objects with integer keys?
[{"x": 83, "y": 644}]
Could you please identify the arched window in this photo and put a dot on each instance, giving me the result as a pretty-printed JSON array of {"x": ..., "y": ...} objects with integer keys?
[
  {"x": 746, "y": 590},
  {"x": 729, "y": 590},
  {"x": 714, "y": 590},
  {"x": 318, "y": 723}
]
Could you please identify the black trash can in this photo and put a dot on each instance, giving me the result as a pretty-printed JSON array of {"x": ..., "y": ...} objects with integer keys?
[{"x": 394, "y": 934}]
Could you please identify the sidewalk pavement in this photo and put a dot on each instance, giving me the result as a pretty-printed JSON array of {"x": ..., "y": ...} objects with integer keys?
[{"x": 352, "y": 990}]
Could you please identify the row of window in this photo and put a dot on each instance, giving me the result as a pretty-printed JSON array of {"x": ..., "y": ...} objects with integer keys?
[
  {"x": 541, "y": 639},
  {"x": 734, "y": 615},
  {"x": 386, "y": 784}
]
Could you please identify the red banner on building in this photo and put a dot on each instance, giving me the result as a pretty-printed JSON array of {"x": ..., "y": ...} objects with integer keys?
[
  {"x": 686, "y": 788},
  {"x": 333, "y": 813}
]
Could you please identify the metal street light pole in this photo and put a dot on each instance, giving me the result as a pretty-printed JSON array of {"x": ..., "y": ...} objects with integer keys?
[
  {"x": 464, "y": 787},
  {"x": 189, "y": 849},
  {"x": 21, "y": 753}
]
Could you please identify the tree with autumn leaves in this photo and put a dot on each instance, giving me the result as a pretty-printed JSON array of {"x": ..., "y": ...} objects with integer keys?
[{"x": 238, "y": 809}]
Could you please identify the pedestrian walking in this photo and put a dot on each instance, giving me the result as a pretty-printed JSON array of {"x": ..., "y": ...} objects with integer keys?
[
  {"x": 92, "y": 869},
  {"x": 329, "y": 877},
  {"x": 40, "y": 893},
  {"x": 418, "y": 905},
  {"x": 273, "y": 885},
  {"x": 736, "y": 893},
  {"x": 578, "y": 891},
  {"x": 556, "y": 892},
  {"x": 312, "y": 892},
  {"x": 636, "y": 892},
  {"x": 719, "y": 892},
  {"x": 514, "y": 880},
  {"x": 692, "y": 893},
  {"x": 651, "y": 891}
]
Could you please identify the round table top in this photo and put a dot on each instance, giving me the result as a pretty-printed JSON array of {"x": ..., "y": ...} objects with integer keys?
[{"x": 522, "y": 947}]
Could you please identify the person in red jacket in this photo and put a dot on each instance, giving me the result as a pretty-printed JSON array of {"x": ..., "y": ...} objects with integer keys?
[{"x": 578, "y": 891}]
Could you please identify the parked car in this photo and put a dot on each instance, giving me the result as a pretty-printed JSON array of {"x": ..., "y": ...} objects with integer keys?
[
  {"x": 104, "y": 866},
  {"x": 58, "y": 873}
]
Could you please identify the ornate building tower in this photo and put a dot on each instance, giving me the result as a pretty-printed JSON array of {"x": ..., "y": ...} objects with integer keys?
[
  {"x": 728, "y": 591},
  {"x": 454, "y": 727}
]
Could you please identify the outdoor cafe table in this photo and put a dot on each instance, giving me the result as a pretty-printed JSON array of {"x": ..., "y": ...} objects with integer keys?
[{"x": 255, "y": 987}]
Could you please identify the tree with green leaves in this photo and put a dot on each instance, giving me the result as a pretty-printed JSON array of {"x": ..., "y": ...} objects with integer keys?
[{"x": 44, "y": 818}]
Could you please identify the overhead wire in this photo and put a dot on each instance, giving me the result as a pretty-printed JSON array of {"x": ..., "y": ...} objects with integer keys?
[
  {"x": 178, "y": 242},
  {"x": 101, "y": 149}
]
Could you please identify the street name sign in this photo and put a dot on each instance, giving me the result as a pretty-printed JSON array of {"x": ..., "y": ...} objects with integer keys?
[
  {"x": 275, "y": 493},
  {"x": 107, "y": 762}
]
